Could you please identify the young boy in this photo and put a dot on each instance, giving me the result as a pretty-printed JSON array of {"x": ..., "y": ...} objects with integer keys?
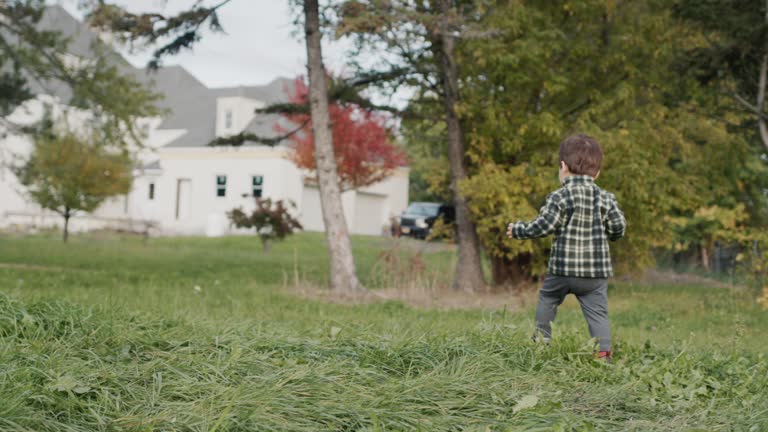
[{"x": 583, "y": 218}]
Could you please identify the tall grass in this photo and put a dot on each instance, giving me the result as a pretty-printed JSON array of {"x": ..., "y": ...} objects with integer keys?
[
  {"x": 194, "y": 335},
  {"x": 66, "y": 367}
]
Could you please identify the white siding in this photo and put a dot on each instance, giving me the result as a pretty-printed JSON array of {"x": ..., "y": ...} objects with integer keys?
[
  {"x": 240, "y": 110},
  {"x": 202, "y": 212},
  {"x": 201, "y": 166},
  {"x": 370, "y": 214},
  {"x": 311, "y": 212}
]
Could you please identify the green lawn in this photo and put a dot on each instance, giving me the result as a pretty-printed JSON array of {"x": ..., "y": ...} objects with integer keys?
[{"x": 106, "y": 333}]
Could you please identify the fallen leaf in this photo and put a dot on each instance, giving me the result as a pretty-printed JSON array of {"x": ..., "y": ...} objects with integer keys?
[
  {"x": 81, "y": 389},
  {"x": 526, "y": 402}
]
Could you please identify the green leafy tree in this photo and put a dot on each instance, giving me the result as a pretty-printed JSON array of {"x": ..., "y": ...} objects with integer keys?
[
  {"x": 420, "y": 40},
  {"x": 429, "y": 175},
  {"x": 735, "y": 55},
  {"x": 607, "y": 69},
  {"x": 68, "y": 174},
  {"x": 707, "y": 225},
  {"x": 731, "y": 64},
  {"x": 30, "y": 53}
]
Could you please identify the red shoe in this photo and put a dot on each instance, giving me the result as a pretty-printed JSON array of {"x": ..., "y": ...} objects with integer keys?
[{"x": 605, "y": 356}]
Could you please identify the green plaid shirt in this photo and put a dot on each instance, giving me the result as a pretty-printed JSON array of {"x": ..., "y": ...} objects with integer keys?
[{"x": 583, "y": 218}]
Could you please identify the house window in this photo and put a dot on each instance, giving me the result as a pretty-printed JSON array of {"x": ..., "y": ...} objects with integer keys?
[
  {"x": 221, "y": 185},
  {"x": 257, "y": 185},
  {"x": 228, "y": 119},
  {"x": 151, "y": 191}
]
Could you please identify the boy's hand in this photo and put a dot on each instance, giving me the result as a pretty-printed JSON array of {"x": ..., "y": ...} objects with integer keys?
[{"x": 510, "y": 234}]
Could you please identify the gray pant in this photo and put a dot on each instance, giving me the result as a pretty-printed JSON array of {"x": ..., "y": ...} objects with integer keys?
[{"x": 593, "y": 297}]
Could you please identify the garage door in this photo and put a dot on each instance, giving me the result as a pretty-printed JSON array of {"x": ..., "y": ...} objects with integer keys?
[
  {"x": 311, "y": 212},
  {"x": 370, "y": 214}
]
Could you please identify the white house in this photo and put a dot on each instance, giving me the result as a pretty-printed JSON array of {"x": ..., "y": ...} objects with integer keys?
[{"x": 183, "y": 185}]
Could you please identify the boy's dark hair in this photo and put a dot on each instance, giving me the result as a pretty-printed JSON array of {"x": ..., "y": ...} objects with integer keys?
[{"x": 582, "y": 154}]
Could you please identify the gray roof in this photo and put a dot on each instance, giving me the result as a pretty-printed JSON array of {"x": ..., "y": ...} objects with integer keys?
[
  {"x": 190, "y": 104},
  {"x": 152, "y": 166},
  {"x": 81, "y": 41},
  {"x": 194, "y": 109},
  {"x": 275, "y": 91}
]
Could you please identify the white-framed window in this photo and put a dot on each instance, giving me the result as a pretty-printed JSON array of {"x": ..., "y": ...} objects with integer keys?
[
  {"x": 151, "y": 191},
  {"x": 257, "y": 185},
  {"x": 221, "y": 185},
  {"x": 228, "y": 119}
]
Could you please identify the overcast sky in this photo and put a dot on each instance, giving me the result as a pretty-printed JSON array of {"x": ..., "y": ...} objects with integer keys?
[{"x": 259, "y": 45}]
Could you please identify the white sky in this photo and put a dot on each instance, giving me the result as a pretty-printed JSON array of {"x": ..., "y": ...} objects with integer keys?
[{"x": 259, "y": 45}]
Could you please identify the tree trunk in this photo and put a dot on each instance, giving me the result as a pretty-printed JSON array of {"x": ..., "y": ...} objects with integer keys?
[
  {"x": 67, "y": 215},
  {"x": 469, "y": 272},
  {"x": 343, "y": 277},
  {"x": 705, "y": 257},
  {"x": 761, "y": 100},
  {"x": 761, "y": 124},
  {"x": 266, "y": 245},
  {"x": 510, "y": 273}
]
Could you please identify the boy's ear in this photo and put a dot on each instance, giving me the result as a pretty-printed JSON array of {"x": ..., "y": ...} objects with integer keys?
[
  {"x": 597, "y": 175},
  {"x": 563, "y": 166}
]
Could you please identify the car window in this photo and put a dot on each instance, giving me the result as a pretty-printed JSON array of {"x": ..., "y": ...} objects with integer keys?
[{"x": 423, "y": 209}]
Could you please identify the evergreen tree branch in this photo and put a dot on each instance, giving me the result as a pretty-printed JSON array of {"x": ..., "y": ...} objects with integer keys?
[
  {"x": 149, "y": 28},
  {"x": 244, "y": 137}
]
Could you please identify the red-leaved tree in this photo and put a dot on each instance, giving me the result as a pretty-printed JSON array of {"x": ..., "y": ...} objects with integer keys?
[{"x": 364, "y": 151}]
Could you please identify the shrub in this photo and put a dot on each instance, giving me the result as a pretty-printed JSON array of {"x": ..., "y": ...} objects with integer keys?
[{"x": 272, "y": 221}]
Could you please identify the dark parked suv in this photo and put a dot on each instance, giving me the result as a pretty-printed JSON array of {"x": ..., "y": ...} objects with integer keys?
[{"x": 418, "y": 218}]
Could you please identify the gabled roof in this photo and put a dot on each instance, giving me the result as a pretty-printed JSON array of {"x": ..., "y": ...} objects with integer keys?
[
  {"x": 190, "y": 104},
  {"x": 81, "y": 44},
  {"x": 275, "y": 91},
  {"x": 199, "y": 116}
]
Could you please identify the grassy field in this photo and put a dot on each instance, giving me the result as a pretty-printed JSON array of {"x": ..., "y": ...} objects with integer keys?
[{"x": 106, "y": 333}]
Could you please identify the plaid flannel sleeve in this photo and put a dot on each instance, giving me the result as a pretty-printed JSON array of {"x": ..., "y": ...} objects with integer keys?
[
  {"x": 544, "y": 224},
  {"x": 615, "y": 223}
]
